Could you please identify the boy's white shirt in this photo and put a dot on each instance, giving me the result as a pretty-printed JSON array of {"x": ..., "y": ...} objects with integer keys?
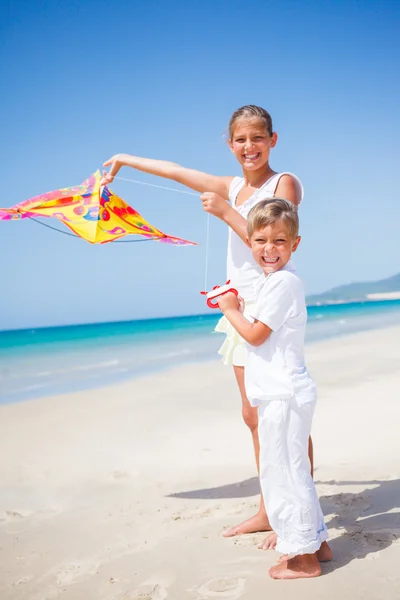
[{"x": 276, "y": 369}]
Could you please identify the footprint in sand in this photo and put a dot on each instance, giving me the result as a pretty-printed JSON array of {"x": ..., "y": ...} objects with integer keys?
[
  {"x": 249, "y": 539},
  {"x": 349, "y": 502},
  {"x": 378, "y": 539},
  {"x": 18, "y": 514},
  {"x": 118, "y": 474},
  {"x": 76, "y": 571},
  {"x": 22, "y": 581},
  {"x": 145, "y": 592},
  {"x": 224, "y": 587},
  {"x": 24, "y": 513}
]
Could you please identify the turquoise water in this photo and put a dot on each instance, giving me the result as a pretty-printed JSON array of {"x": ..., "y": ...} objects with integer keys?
[{"x": 38, "y": 362}]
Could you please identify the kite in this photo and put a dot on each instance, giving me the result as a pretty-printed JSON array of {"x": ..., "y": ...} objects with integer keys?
[{"x": 92, "y": 211}]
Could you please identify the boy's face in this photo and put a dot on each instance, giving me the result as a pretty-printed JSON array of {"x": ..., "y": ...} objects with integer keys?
[{"x": 272, "y": 246}]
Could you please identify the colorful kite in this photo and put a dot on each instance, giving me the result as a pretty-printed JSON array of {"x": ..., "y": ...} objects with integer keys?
[{"x": 92, "y": 211}]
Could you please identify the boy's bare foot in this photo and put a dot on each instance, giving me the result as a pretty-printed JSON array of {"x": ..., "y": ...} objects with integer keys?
[
  {"x": 269, "y": 543},
  {"x": 298, "y": 567},
  {"x": 324, "y": 554},
  {"x": 258, "y": 522}
]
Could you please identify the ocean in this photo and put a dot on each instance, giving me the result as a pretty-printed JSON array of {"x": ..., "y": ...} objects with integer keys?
[{"x": 53, "y": 360}]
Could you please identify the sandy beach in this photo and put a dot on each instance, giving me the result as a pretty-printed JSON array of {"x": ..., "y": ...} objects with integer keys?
[{"x": 122, "y": 493}]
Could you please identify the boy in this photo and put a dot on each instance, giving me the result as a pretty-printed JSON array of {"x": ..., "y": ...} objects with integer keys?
[{"x": 278, "y": 383}]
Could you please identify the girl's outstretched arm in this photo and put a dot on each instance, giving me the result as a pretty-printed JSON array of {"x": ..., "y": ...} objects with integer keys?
[{"x": 196, "y": 180}]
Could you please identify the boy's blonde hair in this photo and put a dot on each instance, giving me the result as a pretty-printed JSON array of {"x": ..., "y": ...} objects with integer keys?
[{"x": 271, "y": 211}]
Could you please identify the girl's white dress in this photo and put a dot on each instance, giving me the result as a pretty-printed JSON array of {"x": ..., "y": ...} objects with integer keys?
[{"x": 242, "y": 270}]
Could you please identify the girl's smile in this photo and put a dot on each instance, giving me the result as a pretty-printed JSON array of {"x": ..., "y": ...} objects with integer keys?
[{"x": 251, "y": 143}]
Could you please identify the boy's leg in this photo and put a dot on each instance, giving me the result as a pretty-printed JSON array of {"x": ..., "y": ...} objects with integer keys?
[
  {"x": 259, "y": 521},
  {"x": 287, "y": 485}
]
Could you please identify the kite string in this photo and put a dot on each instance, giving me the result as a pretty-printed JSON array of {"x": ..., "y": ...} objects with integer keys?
[
  {"x": 206, "y": 256},
  {"x": 163, "y": 187}
]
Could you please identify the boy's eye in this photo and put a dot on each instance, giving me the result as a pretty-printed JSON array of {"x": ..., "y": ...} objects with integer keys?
[{"x": 280, "y": 241}]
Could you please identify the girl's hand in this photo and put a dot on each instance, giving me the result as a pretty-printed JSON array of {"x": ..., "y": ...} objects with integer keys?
[
  {"x": 214, "y": 204},
  {"x": 228, "y": 301},
  {"x": 116, "y": 162},
  {"x": 106, "y": 179}
]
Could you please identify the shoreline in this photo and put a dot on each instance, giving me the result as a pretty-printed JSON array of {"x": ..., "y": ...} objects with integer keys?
[
  {"x": 376, "y": 298},
  {"x": 380, "y": 298},
  {"x": 312, "y": 349},
  {"x": 122, "y": 493},
  {"x": 75, "y": 386}
]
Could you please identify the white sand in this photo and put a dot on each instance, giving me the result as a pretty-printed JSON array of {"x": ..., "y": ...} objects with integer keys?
[{"x": 122, "y": 493}]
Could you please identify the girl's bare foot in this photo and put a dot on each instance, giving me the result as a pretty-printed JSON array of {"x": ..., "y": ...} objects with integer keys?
[
  {"x": 298, "y": 567},
  {"x": 324, "y": 554},
  {"x": 258, "y": 522}
]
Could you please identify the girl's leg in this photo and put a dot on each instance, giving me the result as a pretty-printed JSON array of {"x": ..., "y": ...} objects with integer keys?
[{"x": 259, "y": 521}]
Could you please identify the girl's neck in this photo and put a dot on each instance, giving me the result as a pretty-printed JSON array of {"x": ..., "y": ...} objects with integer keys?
[{"x": 257, "y": 178}]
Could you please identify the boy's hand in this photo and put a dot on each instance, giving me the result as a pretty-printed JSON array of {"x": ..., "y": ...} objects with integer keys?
[
  {"x": 214, "y": 204},
  {"x": 228, "y": 301}
]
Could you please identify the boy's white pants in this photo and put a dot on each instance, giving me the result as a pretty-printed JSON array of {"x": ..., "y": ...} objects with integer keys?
[{"x": 289, "y": 492}]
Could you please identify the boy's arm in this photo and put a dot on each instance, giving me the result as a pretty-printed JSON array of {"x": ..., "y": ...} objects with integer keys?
[
  {"x": 275, "y": 305},
  {"x": 196, "y": 180},
  {"x": 255, "y": 333}
]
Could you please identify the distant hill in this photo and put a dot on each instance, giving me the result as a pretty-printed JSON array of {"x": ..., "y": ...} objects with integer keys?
[{"x": 358, "y": 291}]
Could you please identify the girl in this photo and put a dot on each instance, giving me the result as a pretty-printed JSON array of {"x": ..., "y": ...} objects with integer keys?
[{"x": 251, "y": 138}]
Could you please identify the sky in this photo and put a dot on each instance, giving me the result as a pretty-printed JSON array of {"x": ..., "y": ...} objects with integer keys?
[{"x": 85, "y": 79}]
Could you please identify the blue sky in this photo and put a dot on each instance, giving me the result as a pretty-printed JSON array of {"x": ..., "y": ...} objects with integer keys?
[{"x": 84, "y": 80}]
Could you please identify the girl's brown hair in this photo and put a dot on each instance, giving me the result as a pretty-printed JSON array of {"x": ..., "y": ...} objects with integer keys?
[{"x": 250, "y": 111}]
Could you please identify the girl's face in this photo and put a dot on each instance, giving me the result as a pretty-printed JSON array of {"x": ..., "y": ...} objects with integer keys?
[{"x": 251, "y": 143}]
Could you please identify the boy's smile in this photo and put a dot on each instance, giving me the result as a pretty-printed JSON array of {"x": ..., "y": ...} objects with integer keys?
[{"x": 272, "y": 246}]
